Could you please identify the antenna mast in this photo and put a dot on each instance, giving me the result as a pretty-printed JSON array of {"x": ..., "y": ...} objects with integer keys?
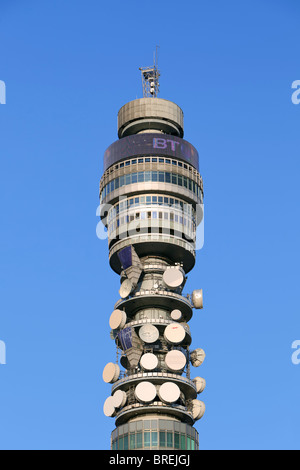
[{"x": 150, "y": 77}]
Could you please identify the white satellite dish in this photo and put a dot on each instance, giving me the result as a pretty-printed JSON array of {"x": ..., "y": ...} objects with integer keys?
[
  {"x": 198, "y": 409},
  {"x": 176, "y": 315},
  {"x": 200, "y": 384},
  {"x": 197, "y": 357},
  {"x": 169, "y": 392},
  {"x": 173, "y": 277},
  {"x": 119, "y": 398},
  {"x": 108, "y": 407},
  {"x": 149, "y": 333},
  {"x": 111, "y": 373},
  {"x": 149, "y": 361},
  {"x": 145, "y": 392},
  {"x": 117, "y": 319},
  {"x": 126, "y": 288},
  {"x": 174, "y": 333},
  {"x": 175, "y": 360},
  {"x": 197, "y": 298}
]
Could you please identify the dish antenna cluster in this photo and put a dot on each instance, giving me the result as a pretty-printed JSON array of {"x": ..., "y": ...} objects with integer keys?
[{"x": 150, "y": 193}]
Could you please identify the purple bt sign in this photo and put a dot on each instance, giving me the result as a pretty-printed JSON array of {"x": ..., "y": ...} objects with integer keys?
[{"x": 140, "y": 145}]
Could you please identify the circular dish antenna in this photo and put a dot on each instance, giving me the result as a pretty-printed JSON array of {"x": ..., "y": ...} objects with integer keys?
[
  {"x": 108, "y": 407},
  {"x": 126, "y": 288},
  {"x": 200, "y": 384},
  {"x": 145, "y": 392},
  {"x": 197, "y": 357},
  {"x": 119, "y": 399},
  {"x": 111, "y": 373},
  {"x": 175, "y": 360},
  {"x": 149, "y": 361},
  {"x": 117, "y": 319},
  {"x": 112, "y": 334},
  {"x": 173, "y": 277},
  {"x": 176, "y": 315},
  {"x": 169, "y": 392},
  {"x": 149, "y": 333},
  {"x": 124, "y": 362},
  {"x": 198, "y": 409},
  {"x": 174, "y": 333},
  {"x": 197, "y": 298}
]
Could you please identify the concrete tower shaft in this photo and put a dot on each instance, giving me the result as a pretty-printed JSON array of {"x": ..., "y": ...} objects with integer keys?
[{"x": 151, "y": 196}]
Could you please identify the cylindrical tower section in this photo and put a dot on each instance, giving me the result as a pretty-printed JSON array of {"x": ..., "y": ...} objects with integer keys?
[
  {"x": 150, "y": 115},
  {"x": 150, "y": 195}
]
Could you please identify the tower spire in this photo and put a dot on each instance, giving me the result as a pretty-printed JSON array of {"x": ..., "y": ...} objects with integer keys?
[{"x": 150, "y": 78}]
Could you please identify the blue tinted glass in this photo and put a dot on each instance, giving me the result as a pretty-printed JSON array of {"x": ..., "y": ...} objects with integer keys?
[
  {"x": 161, "y": 176},
  {"x": 139, "y": 440},
  {"x": 154, "y": 439},
  {"x": 141, "y": 177},
  {"x": 169, "y": 439},
  {"x": 146, "y": 439},
  {"x": 154, "y": 175},
  {"x": 132, "y": 441},
  {"x": 162, "y": 439}
]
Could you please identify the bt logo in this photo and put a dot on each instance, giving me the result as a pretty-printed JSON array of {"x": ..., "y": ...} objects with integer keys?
[
  {"x": 296, "y": 94},
  {"x": 159, "y": 143}
]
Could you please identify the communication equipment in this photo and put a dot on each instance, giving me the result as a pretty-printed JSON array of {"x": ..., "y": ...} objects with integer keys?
[
  {"x": 111, "y": 372},
  {"x": 126, "y": 288},
  {"x": 169, "y": 392},
  {"x": 119, "y": 399},
  {"x": 125, "y": 257},
  {"x": 131, "y": 343},
  {"x": 200, "y": 384},
  {"x": 124, "y": 362},
  {"x": 131, "y": 264},
  {"x": 176, "y": 315},
  {"x": 108, "y": 407},
  {"x": 149, "y": 361},
  {"x": 174, "y": 333},
  {"x": 197, "y": 298},
  {"x": 145, "y": 392},
  {"x": 197, "y": 357},
  {"x": 149, "y": 333},
  {"x": 173, "y": 277},
  {"x": 117, "y": 319},
  {"x": 175, "y": 360},
  {"x": 198, "y": 409}
]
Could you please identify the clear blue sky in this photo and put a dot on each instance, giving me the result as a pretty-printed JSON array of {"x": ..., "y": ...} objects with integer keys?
[{"x": 68, "y": 67}]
